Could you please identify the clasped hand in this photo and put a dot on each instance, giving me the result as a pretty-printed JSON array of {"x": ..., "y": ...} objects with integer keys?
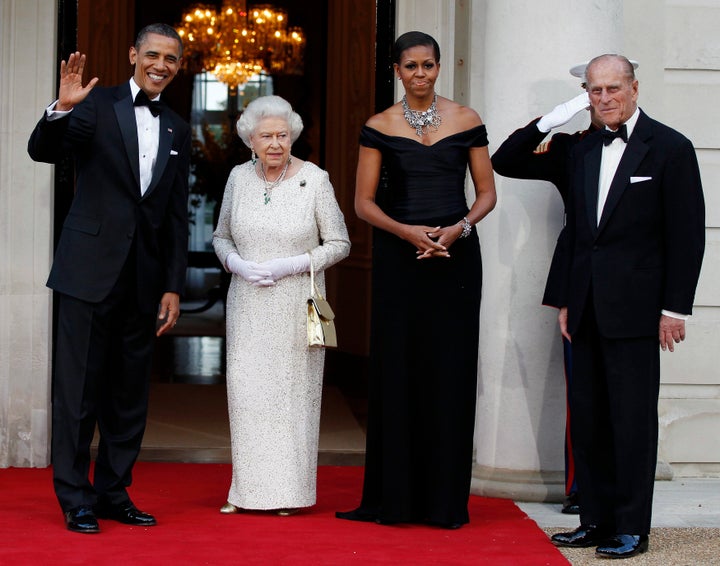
[
  {"x": 433, "y": 241},
  {"x": 269, "y": 272}
]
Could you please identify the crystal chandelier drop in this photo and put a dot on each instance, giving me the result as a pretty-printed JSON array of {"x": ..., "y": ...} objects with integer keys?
[{"x": 235, "y": 43}]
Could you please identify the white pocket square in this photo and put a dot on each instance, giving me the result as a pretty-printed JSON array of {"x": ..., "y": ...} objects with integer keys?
[
  {"x": 173, "y": 152},
  {"x": 639, "y": 179}
]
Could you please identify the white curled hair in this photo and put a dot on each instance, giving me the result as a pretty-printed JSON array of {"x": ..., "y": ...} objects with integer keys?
[{"x": 268, "y": 107}]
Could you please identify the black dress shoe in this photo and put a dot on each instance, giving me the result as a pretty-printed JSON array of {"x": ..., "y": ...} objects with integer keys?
[
  {"x": 582, "y": 537},
  {"x": 82, "y": 520},
  {"x": 571, "y": 505},
  {"x": 356, "y": 515},
  {"x": 125, "y": 513},
  {"x": 622, "y": 546}
]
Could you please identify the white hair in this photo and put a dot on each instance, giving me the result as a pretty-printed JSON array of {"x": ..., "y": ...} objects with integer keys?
[{"x": 268, "y": 107}]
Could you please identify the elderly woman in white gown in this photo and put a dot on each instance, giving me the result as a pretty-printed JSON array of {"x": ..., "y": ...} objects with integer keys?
[{"x": 277, "y": 213}]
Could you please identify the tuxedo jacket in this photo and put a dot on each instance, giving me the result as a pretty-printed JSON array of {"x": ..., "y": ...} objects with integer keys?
[
  {"x": 646, "y": 252},
  {"x": 522, "y": 156},
  {"x": 108, "y": 214}
]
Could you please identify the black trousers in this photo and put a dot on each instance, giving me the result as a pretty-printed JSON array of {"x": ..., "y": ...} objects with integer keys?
[
  {"x": 101, "y": 376},
  {"x": 616, "y": 384}
]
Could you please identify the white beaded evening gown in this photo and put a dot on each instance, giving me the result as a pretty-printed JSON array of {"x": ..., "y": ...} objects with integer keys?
[{"x": 274, "y": 381}]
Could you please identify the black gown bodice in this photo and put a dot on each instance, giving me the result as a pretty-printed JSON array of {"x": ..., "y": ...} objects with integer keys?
[{"x": 423, "y": 181}]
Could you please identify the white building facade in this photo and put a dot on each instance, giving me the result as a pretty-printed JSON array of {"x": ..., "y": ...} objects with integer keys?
[{"x": 509, "y": 60}]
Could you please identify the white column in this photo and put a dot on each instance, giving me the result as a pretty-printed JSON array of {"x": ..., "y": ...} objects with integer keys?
[
  {"x": 27, "y": 52},
  {"x": 521, "y": 53}
]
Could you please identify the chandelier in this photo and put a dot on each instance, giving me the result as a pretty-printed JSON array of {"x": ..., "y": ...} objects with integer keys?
[{"x": 235, "y": 43}]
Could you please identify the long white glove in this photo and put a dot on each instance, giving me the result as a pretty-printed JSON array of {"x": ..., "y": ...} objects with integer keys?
[
  {"x": 283, "y": 266},
  {"x": 562, "y": 113},
  {"x": 249, "y": 270}
]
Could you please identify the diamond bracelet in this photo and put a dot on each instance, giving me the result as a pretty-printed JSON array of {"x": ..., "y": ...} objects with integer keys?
[{"x": 466, "y": 227}]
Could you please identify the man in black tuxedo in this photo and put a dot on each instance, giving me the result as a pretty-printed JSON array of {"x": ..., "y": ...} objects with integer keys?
[
  {"x": 122, "y": 252},
  {"x": 630, "y": 260}
]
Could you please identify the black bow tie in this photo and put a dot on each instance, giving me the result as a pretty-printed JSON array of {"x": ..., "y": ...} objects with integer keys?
[
  {"x": 142, "y": 99},
  {"x": 609, "y": 136}
]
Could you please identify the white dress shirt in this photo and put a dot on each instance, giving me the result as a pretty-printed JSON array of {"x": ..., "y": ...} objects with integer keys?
[
  {"x": 148, "y": 128},
  {"x": 611, "y": 156}
]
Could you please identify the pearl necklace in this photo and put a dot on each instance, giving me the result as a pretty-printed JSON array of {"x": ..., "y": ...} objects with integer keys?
[
  {"x": 429, "y": 119},
  {"x": 270, "y": 185}
]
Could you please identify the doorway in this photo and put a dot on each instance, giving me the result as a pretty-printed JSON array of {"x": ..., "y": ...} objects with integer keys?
[{"x": 341, "y": 87}]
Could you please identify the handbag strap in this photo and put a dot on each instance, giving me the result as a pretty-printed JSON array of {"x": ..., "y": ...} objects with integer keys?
[
  {"x": 312, "y": 276},
  {"x": 314, "y": 291}
]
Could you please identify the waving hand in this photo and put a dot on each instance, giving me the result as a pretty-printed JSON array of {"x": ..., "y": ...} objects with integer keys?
[{"x": 71, "y": 91}]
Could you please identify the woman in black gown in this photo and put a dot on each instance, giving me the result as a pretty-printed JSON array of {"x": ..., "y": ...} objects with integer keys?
[{"x": 426, "y": 295}]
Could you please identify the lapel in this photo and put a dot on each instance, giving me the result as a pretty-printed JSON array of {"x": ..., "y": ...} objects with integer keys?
[
  {"x": 632, "y": 157},
  {"x": 592, "y": 174},
  {"x": 167, "y": 133},
  {"x": 125, "y": 113}
]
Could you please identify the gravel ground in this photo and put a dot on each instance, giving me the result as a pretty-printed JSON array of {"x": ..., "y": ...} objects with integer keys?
[{"x": 694, "y": 546}]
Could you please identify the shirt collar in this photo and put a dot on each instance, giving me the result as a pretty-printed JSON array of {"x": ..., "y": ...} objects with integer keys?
[
  {"x": 134, "y": 89},
  {"x": 630, "y": 123}
]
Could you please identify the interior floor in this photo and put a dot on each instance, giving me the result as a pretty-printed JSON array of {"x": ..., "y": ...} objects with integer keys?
[{"x": 188, "y": 416}]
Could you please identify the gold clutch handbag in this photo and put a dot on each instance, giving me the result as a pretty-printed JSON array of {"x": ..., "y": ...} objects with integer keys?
[{"x": 320, "y": 316}]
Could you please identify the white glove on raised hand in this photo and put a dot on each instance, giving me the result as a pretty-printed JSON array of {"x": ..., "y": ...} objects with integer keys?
[
  {"x": 249, "y": 270},
  {"x": 283, "y": 266},
  {"x": 562, "y": 113}
]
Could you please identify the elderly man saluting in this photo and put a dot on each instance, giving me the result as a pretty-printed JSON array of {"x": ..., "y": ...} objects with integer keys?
[{"x": 632, "y": 251}]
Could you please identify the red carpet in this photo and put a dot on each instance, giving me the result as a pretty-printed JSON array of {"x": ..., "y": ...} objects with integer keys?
[{"x": 185, "y": 498}]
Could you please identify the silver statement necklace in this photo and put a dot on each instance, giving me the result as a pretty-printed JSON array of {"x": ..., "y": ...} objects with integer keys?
[
  {"x": 270, "y": 185},
  {"x": 423, "y": 121}
]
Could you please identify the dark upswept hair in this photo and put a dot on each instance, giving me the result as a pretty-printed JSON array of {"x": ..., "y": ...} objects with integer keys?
[
  {"x": 159, "y": 29},
  {"x": 414, "y": 39}
]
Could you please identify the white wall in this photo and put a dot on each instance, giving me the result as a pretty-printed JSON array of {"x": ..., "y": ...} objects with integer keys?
[
  {"x": 27, "y": 33},
  {"x": 683, "y": 91}
]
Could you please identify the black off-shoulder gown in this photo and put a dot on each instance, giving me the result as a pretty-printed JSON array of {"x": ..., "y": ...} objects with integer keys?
[{"x": 424, "y": 339}]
